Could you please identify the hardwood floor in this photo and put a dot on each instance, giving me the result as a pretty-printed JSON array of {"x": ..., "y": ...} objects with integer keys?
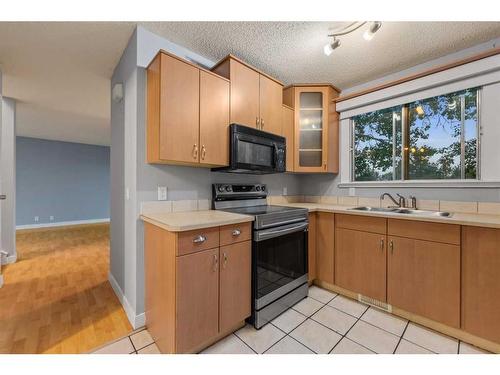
[{"x": 56, "y": 297}]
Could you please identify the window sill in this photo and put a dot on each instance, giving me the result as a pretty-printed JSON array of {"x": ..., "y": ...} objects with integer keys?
[{"x": 422, "y": 184}]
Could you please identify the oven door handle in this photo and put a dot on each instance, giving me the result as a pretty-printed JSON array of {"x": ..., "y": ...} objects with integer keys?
[{"x": 268, "y": 234}]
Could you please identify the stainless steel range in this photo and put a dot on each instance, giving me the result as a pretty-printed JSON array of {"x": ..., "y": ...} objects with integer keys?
[{"x": 279, "y": 248}]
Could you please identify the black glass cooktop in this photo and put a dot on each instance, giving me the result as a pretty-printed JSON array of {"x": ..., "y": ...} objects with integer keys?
[{"x": 260, "y": 210}]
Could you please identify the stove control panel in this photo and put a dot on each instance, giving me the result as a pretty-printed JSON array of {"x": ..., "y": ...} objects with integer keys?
[{"x": 238, "y": 191}]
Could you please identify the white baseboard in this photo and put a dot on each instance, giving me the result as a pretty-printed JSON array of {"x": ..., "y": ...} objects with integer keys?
[
  {"x": 10, "y": 259},
  {"x": 62, "y": 223},
  {"x": 136, "y": 321}
]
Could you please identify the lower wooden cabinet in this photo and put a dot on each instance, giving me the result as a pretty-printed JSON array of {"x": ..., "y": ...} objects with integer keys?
[
  {"x": 423, "y": 278},
  {"x": 235, "y": 284},
  {"x": 360, "y": 262},
  {"x": 325, "y": 243},
  {"x": 481, "y": 282},
  {"x": 311, "y": 248},
  {"x": 196, "y": 295},
  {"x": 197, "y": 299}
]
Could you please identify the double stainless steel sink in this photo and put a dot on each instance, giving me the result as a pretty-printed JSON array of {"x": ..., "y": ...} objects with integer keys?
[{"x": 403, "y": 211}]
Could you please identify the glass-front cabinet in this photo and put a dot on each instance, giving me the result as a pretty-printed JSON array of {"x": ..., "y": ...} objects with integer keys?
[{"x": 315, "y": 140}]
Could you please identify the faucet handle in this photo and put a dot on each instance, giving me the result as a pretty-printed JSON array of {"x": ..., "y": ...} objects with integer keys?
[{"x": 402, "y": 200}]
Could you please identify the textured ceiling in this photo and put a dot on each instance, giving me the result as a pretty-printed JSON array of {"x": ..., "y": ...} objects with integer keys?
[
  {"x": 293, "y": 51},
  {"x": 60, "y": 72}
]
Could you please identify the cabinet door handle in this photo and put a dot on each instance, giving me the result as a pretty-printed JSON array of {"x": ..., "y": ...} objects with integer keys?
[
  {"x": 195, "y": 151},
  {"x": 203, "y": 152},
  {"x": 199, "y": 239},
  {"x": 382, "y": 244},
  {"x": 261, "y": 123},
  {"x": 257, "y": 123},
  {"x": 236, "y": 232},
  {"x": 225, "y": 261},
  {"x": 216, "y": 262},
  {"x": 391, "y": 245}
]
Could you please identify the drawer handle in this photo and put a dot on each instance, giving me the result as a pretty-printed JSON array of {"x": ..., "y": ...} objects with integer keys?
[
  {"x": 225, "y": 261},
  {"x": 199, "y": 239},
  {"x": 236, "y": 232},
  {"x": 216, "y": 262}
]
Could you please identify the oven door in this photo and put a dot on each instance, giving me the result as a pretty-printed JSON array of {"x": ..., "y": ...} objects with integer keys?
[{"x": 279, "y": 262}]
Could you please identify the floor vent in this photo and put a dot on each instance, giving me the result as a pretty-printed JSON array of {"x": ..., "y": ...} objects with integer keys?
[{"x": 375, "y": 303}]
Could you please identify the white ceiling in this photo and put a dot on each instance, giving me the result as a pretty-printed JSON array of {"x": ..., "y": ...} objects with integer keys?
[{"x": 60, "y": 72}]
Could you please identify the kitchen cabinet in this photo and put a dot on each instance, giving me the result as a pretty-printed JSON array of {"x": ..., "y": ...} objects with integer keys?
[
  {"x": 481, "y": 282},
  {"x": 287, "y": 131},
  {"x": 197, "y": 299},
  {"x": 325, "y": 242},
  {"x": 235, "y": 284},
  {"x": 187, "y": 113},
  {"x": 198, "y": 285},
  {"x": 423, "y": 276},
  {"x": 256, "y": 98},
  {"x": 316, "y": 127},
  {"x": 360, "y": 255},
  {"x": 311, "y": 248}
]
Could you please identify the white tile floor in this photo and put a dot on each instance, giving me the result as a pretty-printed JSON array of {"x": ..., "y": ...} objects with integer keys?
[{"x": 322, "y": 323}]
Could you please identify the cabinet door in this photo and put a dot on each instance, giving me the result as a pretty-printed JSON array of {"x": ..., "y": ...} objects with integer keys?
[
  {"x": 311, "y": 247},
  {"x": 424, "y": 278},
  {"x": 235, "y": 284},
  {"x": 360, "y": 262},
  {"x": 481, "y": 282},
  {"x": 311, "y": 129},
  {"x": 270, "y": 104},
  {"x": 214, "y": 120},
  {"x": 287, "y": 131},
  {"x": 197, "y": 299},
  {"x": 179, "y": 111},
  {"x": 325, "y": 246},
  {"x": 244, "y": 95}
]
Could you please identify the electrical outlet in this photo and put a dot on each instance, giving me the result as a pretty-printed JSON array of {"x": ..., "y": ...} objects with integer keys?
[
  {"x": 51, "y": 218},
  {"x": 285, "y": 190},
  {"x": 162, "y": 193},
  {"x": 37, "y": 219}
]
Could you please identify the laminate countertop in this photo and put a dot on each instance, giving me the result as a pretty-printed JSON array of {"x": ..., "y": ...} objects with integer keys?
[
  {"x": 191, "y": 220},
  {"x": 472, "y": 219}
]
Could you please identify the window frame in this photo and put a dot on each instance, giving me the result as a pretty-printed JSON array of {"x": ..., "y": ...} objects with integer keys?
[{"x": 405, "y": 126}]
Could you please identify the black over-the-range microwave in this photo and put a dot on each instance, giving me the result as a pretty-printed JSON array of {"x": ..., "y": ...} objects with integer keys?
[{"x": 254, "y": 151}]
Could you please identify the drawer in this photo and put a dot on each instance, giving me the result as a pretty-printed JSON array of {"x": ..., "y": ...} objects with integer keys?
[
  {"x": 421, "y": 230},
  {"x": 361, "y": 223},
  {"x": 234, "y": 233},
  {"x": 197, "y": 240}
]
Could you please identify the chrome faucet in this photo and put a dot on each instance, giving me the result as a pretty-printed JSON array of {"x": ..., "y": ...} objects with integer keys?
[{"x": 400, "y": 203}]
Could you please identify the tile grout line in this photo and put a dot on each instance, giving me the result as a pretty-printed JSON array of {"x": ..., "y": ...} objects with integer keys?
[
  {"x": 243, "y": 341},
  {"x": 345, "y": 335},
  {"x": 401, "y": 337},
  {"x": 133, "y": 346}
]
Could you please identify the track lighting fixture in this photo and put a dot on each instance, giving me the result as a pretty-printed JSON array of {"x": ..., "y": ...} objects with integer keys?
[
  {"x": 368, "y": 34},
  {"x": 329, "y": 47}
]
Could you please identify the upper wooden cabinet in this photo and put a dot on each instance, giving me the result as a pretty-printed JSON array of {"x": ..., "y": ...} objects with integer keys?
[
  {"x": 287, "y": 131},
  {"x": 256, "y": 98},
  {"x": 187, "y": 113},
  {"x": 481, "y": 282},
  {"x": 316, "y": 123}
]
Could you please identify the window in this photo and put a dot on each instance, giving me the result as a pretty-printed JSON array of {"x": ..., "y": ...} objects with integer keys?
[{"x": 429, "y": 139}]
